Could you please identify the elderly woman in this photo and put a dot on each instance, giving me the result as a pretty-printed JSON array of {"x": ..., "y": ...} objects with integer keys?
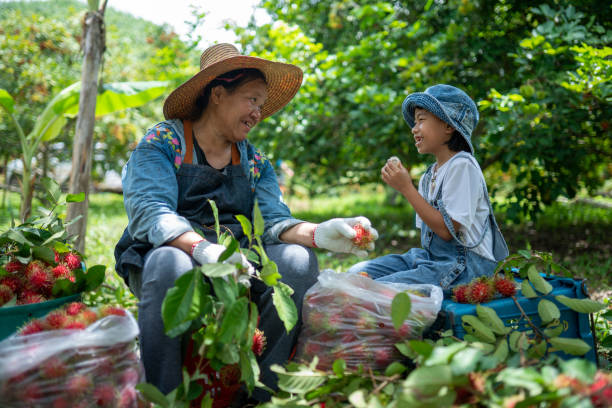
[{"x": 201, "y": 152}]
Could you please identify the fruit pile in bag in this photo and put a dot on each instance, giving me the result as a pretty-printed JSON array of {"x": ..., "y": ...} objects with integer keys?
[
  {"x": 73, "y": 357},
  {"x": 348, "y": 316}
]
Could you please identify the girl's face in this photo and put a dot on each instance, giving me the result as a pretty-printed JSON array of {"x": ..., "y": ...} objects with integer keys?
[
  {"x": 430, "y": 133},
  {"x": 239, "y": 111}
]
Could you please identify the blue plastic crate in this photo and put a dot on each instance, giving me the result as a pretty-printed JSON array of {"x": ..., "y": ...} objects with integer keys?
[{"x": 577, "y": 324}]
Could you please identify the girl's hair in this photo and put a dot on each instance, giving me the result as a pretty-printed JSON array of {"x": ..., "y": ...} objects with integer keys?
[
  {"x": 457, "y": 143},
  {"x": 230, "y": 81}
]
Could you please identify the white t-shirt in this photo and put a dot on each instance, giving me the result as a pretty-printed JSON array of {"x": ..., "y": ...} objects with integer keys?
[{"x": 465, "y": 202}]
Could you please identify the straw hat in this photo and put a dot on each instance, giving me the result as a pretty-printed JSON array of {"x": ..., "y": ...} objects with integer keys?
[{"x": 283, "y": 80}]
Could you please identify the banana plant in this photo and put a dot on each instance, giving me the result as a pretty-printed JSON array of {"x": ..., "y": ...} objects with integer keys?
[{"x": 113, "y": 97}]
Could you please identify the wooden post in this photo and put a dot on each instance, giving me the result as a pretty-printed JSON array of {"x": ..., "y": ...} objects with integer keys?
[{"x": 93, "y": 48}]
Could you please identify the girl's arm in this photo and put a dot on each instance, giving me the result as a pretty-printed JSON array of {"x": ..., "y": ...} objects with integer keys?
[{"x": 398, "y": 177}]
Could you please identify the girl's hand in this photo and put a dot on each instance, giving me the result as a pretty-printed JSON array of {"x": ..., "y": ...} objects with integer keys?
[{"x": 396, "y": 175}]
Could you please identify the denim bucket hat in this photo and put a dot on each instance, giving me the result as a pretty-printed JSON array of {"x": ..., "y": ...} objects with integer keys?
[{"x": 448, "y": 103}]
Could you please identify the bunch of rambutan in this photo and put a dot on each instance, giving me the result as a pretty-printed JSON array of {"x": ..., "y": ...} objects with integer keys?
[
  {"x": 90, "y": 368},
  {"x": 484, "y": 289},
  {"x": 33, "y": 282},
  {"x": 72, "y": 316}
]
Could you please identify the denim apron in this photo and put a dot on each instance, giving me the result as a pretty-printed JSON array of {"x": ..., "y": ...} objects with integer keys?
[
  {"x": 230, "y": 189},
  {"x": 439, "y": 262}
]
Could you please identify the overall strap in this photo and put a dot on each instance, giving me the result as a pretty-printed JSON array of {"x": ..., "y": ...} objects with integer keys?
[{"x": 188, "y": 134}]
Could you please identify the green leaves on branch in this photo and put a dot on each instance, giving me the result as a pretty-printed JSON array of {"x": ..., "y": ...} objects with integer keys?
[{"x": 287, "y": 312}]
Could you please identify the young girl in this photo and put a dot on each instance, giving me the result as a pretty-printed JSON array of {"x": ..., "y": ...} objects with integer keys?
[{"x": 459, "y": 235}]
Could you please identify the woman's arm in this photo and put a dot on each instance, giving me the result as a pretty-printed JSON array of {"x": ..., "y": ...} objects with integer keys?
[
  {"x": 301, "y": 234},
  {"x": 396, "y": 176}
]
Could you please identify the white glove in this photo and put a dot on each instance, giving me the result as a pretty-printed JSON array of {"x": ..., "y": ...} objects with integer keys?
[
  {"x": 337, "y": 235},
  {"x": 206, "y": 252}
]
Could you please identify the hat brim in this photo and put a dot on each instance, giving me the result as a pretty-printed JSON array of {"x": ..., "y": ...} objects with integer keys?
[
  {"x": 283, "y": 80},
  {"x": 431, "y": 104}
]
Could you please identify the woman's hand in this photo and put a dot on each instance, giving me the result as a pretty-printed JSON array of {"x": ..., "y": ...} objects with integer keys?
[
  {"x": 337, "y": 235},
  {"x": 396, "y": 175},
  {"x": 206, "y": 252}
]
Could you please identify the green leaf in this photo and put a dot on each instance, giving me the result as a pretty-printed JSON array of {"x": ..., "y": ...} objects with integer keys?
[
  {"x": 421, "y": 347},
  {"x": 580, "y": 369},
  {"x": 489, "y": 317},
  {"x": 215, "y": 211},
  {"x": 575, "y": 347},
  {"x": 226, "y": 292},
  {"x": 247, "y": 228},
  {"x": 524, "y": 253},
  {"x": 298, "y": 382},
  {"x": 548, "y": 311},
  {"x": 229, "y": 251},
  {"x": 182, "y": 302},
  {"x": 394, "y": 368},
  {"x": 442, "y": 355},
  {"x": 338, "y": 367},
  {"x": 75, "y": 198},
  {"x": 555, "y": 331},
  {"x": 269, "y": 274},
  {"x": 427, "y": 381},
  {"x": 94, "y": 277},
  {"x": 465, "y": 361},
  {"x": 501, "y": 352},
  {"x": 258, "y": 220},
  {"x": 281, "y": 297},
  {"x": 580, "y": 305},
  {"x": 480, "y": 330},
  {"x": 518, "y": 340},
  {"x": 527, "y": 290},
  {"x": 7, "y": 101},
  {"x": 44, "y": 253},
  {"x": 400, "y": 309},
  {"x": 217, "y": 270},
  {"x": 607, "y": 341},
  {"x": 249, "y": 369},
  {"x": 152, "y": 394},
  {"x": 539, "y": 283},
  {"x": 234, "y": 321},
  {"x": 52, "y": 188}
]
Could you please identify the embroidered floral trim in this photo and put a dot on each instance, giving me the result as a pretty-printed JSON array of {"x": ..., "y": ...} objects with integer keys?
[
  {"x": 163, "y": 134},
  {"x": 256, "y": 164}
]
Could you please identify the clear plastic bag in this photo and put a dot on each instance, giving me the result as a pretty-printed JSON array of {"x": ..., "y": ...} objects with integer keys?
[
  {"x": 348, "y": 316},
  {"x": 95, "y": 367}
]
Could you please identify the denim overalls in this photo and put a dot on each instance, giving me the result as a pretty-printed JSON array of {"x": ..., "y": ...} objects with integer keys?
[
  {"x": 152, "y": 271},
  {"x": 439, "y": 262}
]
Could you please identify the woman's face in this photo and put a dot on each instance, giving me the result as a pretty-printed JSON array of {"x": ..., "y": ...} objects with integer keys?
[{"x": 239, "y": 111}]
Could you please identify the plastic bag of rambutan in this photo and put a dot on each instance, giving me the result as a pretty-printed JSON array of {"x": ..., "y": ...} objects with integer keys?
[
  {"x": 73, "y": 357},
  {"x": 348, "y": 316}
]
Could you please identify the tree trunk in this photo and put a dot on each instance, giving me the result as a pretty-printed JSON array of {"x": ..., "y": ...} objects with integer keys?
[{"x": 93, "y": 47}]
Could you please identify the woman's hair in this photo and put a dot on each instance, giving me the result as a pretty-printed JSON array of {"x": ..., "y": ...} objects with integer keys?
[
  {"x": 457, "y": 143},
  {"x": 230, "y": 81}
]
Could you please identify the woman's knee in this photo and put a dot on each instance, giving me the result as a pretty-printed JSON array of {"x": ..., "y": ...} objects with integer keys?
[
  {"x": 297, "y": 264},
  {"x": 163, "y": 265}
]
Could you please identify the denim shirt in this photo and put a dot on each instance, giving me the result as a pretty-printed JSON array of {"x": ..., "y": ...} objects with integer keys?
[{"x": 150, "y": 190}]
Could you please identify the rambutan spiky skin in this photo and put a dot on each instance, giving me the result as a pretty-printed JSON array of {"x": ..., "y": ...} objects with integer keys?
[
  {"x": 78, "y": 385},
  {"x": 259, "y": 342},
  {"x": 28, "y": 297},
  {"x": 6, "y": 294},
  {"x": 55, "y": 320},
  {"x": 479, "y": 292},
  {"x": 12, "y": 282},
  {"x": 72, "y": 260},
  {"x": 53, "y": 367},
  {"x": 128, "y": 398},
  {"x": 460, "y": 293},
  {"x": 75, "y": 325},
  {"x": 87, "y": 317},
  {"x": 14, "y": 267},
  {"x": 35, "y": 326},
  {"x": 506, "y": 287},
  {"x": 40, "y": 280},
  {"x": 108, "y": 310},
  {"x": 362, "y": 237},
  {"x": 75, "y": 308},
  {"x": 104, "y": 395},
  {"x": 62, "y": 271}
]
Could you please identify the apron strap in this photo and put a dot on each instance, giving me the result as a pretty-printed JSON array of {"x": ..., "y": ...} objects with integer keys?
[{"x": 188, "y": 134}]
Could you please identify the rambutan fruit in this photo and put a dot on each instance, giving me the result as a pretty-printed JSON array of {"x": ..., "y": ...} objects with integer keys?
[
  {"x": 87, "y": 316},
  {"x": 28, "y": 297},
  {"x": 56, "y": 319},
  {"x": 39, "y": 279},
  {"x": 12, "y": 282},
  {"x": 481, "y": 290},
  {"x": 61, "y": 271},
  {"x": 108, "y": 310},
  {"x": 74, "y": 308},
  {"x": 34, "y": 326},
  {"x": 129, "y": 377},
  {"x": 506, "y": 287},
  {"x": 104, "y": 395},
  {"x": 72, "y": 260},
  {"x": 14, "y": 266},
  {"x": 460, "y": 293},
  {"x": 75, "y": 325},
  {"x": 78, "y": 385},
  {"x": 128, "y": 398},
  {"x": 259, "y": 342},
  {"x": 362, "y": 237},
  {"x": 53, "y": 367},
  {"x": 6, "y": 294},
  {"x": 383, "y": 356}
]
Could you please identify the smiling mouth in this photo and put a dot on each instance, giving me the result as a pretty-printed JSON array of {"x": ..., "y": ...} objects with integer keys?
[
  {"x": 418, "y": 140},
  {"x": 248, "y": 124}
]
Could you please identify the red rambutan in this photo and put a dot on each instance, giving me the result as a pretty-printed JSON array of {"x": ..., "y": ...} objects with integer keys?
[
  {"x": 128, "y": 398},
  {"x": 104, "y": 395},
  {"x": 87, "y": 316},
  {"x": 108, "y": 310},
  {"x": 53, "y": 368},
  {"x": 506, "y": 287},
  {"x": 39, "y": 279},
  {"x": 75, "y": 325},
  {"x": 259, "y": 342},
  {"x": 35, "y": 326},
  {"x": 481, "y": 290},
  {"x": 56, "y": 320},
  {"x": 61, "y": 271},
  {"x": 78, "y": 385},
  {"x": 6, "y": 294},
  {"x": 74, "y": 308},
  {"x": 460, "y": 293},
  {"x": 12, "y": 282},
  {"x": 28, "y": 297},
  {"x": 14, "y": 266},
  {"x": 72, "y": 260},
  {"x": 362, "y": 237}
]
